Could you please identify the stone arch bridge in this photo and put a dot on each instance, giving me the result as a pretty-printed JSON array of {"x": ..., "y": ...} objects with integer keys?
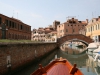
[{"x": 70, "y": 37}]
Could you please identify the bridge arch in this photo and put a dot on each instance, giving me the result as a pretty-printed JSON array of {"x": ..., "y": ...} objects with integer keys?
[{"x": 82, "y": 38}]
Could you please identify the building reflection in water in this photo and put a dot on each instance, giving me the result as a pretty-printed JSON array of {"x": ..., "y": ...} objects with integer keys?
[{"x": 94, "y": 66}]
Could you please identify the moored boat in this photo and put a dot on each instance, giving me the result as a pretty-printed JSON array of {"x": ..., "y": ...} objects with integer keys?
[
  {"x": 92, "y": 46},
  {"x": 97, "y": 50},
  {"x": 58, "y": 67}
]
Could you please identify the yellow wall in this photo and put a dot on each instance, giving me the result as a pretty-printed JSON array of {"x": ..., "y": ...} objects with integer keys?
[{"x": 95, "y": 29}]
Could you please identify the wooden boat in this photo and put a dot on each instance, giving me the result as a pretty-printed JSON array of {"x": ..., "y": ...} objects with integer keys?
[{"x": 58, "y": 67}]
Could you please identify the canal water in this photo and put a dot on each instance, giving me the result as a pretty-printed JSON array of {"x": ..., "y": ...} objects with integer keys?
[{"x": 84, "y": 63}]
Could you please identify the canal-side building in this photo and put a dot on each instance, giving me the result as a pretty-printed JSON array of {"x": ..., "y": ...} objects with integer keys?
[
  {"x": 71, "y": 26},
  {"x": 93, "y": 29},
  {"x": 12, "y": 28},
  {"x": 40, "y": 33},
  {"x": 82, "y": 31},
  {"x": 51, "y": 37},
  {"x": 48, "y": 34},
  {"x": 55, "y": 23}
]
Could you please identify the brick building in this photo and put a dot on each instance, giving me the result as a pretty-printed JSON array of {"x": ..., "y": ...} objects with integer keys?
[
  {"x": 11, "y": 28},
  {"x": 71, "y": 26}
]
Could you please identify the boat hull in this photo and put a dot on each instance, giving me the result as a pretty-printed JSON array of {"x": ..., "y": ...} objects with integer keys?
[{"x": 58, "y": 67}]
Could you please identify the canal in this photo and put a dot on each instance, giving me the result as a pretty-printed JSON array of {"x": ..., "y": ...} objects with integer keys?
[{"x": 84, "y": 63}]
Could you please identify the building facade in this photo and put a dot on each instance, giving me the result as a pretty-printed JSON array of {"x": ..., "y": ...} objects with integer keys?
[
  {"x": 82, "y": 31},
  {"x": 11, "y": 28},
  {"x": 72, "y": 26},
  {"x": 55, "y": 23},
  {"x": 38, "y": 34},
  {"x": 93, "y": 29},
  {"x": 51, "y": 37},
  {"x": 47, "y": 34}
]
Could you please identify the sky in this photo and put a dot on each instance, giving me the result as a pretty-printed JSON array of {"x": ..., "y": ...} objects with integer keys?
[{"x": 42, "y": 13}]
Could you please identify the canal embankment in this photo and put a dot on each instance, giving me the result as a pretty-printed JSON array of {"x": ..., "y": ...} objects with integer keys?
[{"x": 14, "y": 56}]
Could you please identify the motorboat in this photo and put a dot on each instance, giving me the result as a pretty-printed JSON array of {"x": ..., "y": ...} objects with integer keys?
[
  {"x": 97, "y": 50},
  {"x": 97, "y": 57},
  {"x": 58, "y": 66},
  {"x": 92, "y": 46}
]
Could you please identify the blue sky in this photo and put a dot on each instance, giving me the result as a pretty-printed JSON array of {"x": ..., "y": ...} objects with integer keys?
[{"x": 41, "y": 13}]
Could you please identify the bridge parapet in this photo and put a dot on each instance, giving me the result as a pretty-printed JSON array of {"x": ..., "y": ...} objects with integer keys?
[{"x": 86, "y": 40}]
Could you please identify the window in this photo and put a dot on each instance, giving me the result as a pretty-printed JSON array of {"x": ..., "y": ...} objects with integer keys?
[
  {"x": 15, "y": 25},
  {"x": 35, "y": 32},
  {"x": 21, "y": 27},
  {"x": 96, "y": 27},
  {"x": 10, "y": 23},
  {"x": 7, "y": 22},
  {"x": 73, "y": 30},
  {"x": 66, "y": 30},
  {"x": 91, "y": 28},
  {"x": 99, "y": 26},
  {"x": 0, "y": 20}
]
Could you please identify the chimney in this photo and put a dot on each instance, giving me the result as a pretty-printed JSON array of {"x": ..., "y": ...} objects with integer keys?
[{"x": 86, "y": 20}]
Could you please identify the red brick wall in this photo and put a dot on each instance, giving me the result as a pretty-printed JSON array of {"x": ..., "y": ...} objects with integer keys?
[
  {"x": 16, "y": 29},
  {"x": 21, "y": 54},
  {"x": 74, "y": 36}
]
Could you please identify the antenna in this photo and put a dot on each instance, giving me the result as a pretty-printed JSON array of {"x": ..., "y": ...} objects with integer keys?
[{"x": 17, "y": 15}]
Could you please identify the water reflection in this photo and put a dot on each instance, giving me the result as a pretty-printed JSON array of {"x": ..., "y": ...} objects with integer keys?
[
  {"x": 86, "y": 64},
  {"x": 97, "y": 70},
  {"x": 93, "y": 65}
]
